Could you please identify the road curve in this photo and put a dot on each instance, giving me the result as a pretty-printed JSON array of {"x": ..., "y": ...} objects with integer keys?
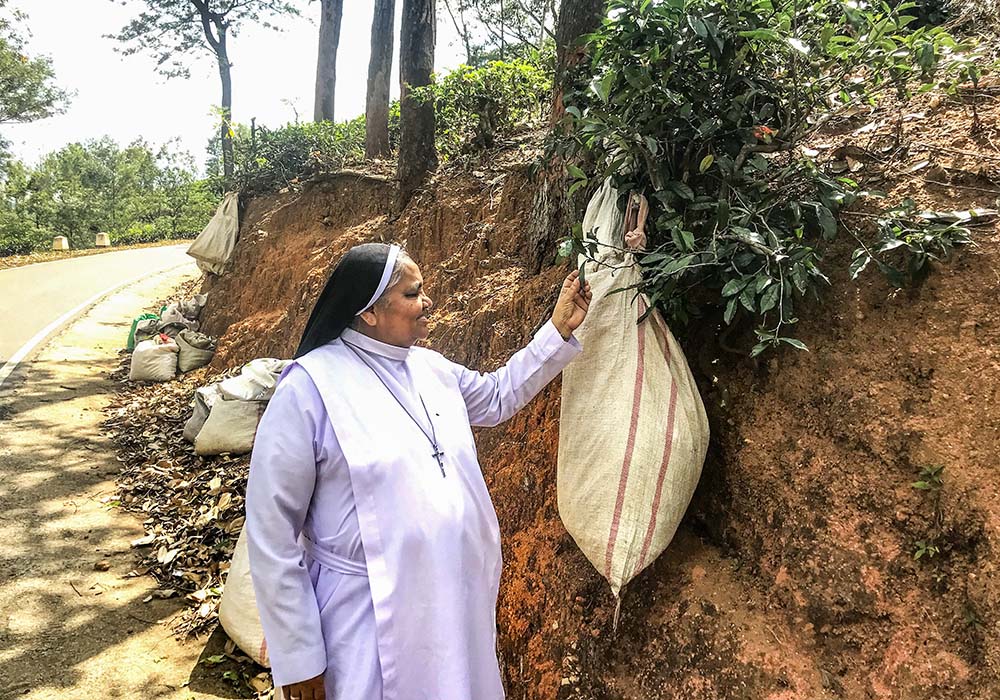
[{"x": 34, "y": 296}]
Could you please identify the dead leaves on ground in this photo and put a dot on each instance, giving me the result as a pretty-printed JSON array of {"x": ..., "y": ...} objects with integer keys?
[{"x": 193, "y": 506}]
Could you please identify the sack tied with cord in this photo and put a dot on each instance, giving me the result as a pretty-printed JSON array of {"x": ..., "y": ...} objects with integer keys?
[{"x": 633, "y": 432}]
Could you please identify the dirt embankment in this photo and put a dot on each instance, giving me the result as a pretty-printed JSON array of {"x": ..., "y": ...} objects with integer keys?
[{"x": 794, "y": 575}]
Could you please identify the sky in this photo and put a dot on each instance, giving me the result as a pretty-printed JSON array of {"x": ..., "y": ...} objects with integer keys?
[{"x": 123, "y": 97}]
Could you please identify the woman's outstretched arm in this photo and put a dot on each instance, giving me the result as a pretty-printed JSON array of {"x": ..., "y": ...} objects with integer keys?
[{"x": 493, "y": 397}]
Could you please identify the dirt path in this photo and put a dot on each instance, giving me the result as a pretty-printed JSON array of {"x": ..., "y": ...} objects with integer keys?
[{"x": 72, "y": 624}]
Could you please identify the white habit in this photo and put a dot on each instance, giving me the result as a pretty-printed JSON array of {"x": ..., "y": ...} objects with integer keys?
[{"x": 368, "y": 564}]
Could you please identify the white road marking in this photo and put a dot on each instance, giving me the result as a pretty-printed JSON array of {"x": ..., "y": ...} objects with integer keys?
[{"x": 26, "y": 349}]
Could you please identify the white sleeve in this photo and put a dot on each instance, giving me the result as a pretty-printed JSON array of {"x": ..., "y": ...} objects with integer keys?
[
  {"x": 496, "y": 396},
  {"x": 279, "y": 490}
]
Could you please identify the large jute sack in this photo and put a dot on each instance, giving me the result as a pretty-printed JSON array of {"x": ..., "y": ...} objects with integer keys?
[
  {"x": 633, "y": 431},
  {"x": 153, "y": 360},
  {"x": 238, "y": 608},
  {"x": 195, "y": 350},
  {"x": 230, "y": 427}
]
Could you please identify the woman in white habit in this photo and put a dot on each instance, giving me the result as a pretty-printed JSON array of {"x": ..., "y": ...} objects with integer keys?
[{"x": 374, "y": 546}]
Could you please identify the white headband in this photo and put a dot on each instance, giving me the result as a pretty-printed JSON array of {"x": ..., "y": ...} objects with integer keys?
[{"x": 390, "y": 264}]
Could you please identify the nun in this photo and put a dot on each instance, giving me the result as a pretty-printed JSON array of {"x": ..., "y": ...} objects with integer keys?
[{"x": 374, "y": 545}]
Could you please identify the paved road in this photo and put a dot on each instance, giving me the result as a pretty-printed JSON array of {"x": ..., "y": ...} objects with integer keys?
[{"x": 34, "y": 296}]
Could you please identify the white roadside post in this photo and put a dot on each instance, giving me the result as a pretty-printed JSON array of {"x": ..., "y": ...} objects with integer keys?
[
  {"x": 102, "y": 240},
  {"x": 60, "y": 243}
]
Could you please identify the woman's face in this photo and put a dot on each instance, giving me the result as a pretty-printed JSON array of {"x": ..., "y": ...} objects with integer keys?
[{"x": 400, "y": 316}]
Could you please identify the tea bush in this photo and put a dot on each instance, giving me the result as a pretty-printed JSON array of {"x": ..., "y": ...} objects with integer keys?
[{"x": 704, "y": 106}]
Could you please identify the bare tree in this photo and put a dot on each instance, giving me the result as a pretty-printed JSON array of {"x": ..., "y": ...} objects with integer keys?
[
  {"x": 379, "y": 74},
  {"x": 171, "y": 29},
  {"x": 331, "y": 14},
  {"x": 488, "y": 28},
  {"x": 417, "y": 155}
]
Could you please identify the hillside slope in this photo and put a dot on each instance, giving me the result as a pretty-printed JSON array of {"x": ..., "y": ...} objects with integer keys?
[{"x": 793, "y": 575}]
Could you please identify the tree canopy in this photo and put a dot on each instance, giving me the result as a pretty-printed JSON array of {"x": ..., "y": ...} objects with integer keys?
[
  {"x": 134, "y": 193},
  {"x": 28, "y": 91}
]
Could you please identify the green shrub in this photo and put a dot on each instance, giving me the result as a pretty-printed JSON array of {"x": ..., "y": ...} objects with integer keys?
[
  {"x": 143, "y": 232},
  {"x": 267, "y": 160},
  {"x": 18, "y": 236},
  {"x": 704, "y": 105},
  {"x": 475, "y": 107}
]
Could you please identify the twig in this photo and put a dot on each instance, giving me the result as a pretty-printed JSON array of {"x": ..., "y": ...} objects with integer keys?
[
  {"x": 955, "y": 150},
  {"x": 75, "y": 590},
  {"x": 140, "y": 619},
  {"x": 960, "y": 187}
]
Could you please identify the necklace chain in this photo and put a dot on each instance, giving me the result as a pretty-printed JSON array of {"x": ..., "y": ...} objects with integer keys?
[{"x": 432, "y": 437}]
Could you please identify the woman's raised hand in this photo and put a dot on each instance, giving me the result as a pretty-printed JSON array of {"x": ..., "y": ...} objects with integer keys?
[
  {"x": 312, "y": 689},
  {"x": 572, "y": 305}
]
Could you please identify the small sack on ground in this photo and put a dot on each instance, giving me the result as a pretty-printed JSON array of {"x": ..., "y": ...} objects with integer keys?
[
  {"x": 154, "y": 360},
  {"x": 238, "y": 608},
  {"x": 204, "y": 398},
  {"x": 192, "y": 308},
  {"x": 172, "y": 316},
  {"x": 230, "y": 427},
  {"x": 633, "y": 431},
  {"x": 130, "y": 345},
  {"x": 147, "y": 328},
  {"x": 256, "y": 380},
  {"x": 196, "y": 350}
]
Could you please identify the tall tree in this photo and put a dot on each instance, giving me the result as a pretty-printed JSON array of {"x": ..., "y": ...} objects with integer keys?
[
  {"x": 417, "y": 156},
  {"x": 577, "y": 18},
  {"x": 27, "y": 85},
  {"x": 172, "y": 29},
  {"x": 379, "y": 74},
  {"x": 331, "y": 13}
]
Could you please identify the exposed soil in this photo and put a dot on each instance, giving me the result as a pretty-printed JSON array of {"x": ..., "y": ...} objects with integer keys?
[{"x": 794, "y": 573}]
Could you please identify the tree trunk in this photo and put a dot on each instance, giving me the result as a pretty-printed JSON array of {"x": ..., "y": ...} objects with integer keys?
[
  {"x": 576, "y": 18},
  {"x": 417, "y": 156},
  {"x": 226, "y": 131},
  {"x": 553, "y": 212},
  {"x": 379, "y": 73},
  {"x": 326, "y": 65}
]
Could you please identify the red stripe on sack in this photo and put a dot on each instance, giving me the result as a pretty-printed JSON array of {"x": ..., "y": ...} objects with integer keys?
[
  {"x": 668, "y": 449},
  {"x": 630, "y": 446}
]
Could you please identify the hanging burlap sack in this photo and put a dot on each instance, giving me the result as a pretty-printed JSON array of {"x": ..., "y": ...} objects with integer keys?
[
  {"x": 215, "y": 244},
  {"x": 230, "y": 427},
  {"x": 153, "y": 360},
  {"x": 633, "y": 431},
  {"x": 195, "y": 350},
  {"x": 238, "y": 608}
]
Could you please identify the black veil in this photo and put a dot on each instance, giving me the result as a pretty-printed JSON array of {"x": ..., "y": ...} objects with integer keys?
[{"x": 359, "y": 278}]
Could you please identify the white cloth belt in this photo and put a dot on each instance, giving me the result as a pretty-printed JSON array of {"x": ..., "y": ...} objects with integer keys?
[{"x": 332, "y": 561}]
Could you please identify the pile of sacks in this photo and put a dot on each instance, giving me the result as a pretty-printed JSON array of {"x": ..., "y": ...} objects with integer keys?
[
  {"x": 226, "y": 413},
  {"x": 164, "y": 343}
]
